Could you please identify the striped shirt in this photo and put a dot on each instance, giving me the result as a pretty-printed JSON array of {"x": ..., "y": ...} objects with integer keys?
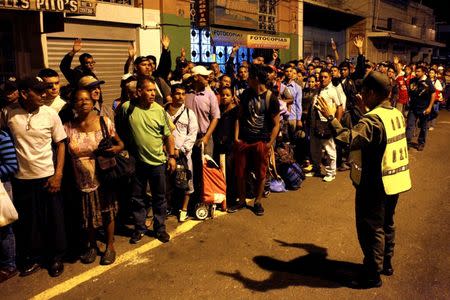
[{"x": 8, "y": 159}]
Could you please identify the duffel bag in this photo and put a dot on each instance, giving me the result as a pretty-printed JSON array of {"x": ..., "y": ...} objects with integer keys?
[{"x": 292, "y": 175}]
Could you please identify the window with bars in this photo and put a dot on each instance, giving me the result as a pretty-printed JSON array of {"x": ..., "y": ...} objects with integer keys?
[
  {"x": 122, "y": 2},
  {"x": 204, "y": 51},
  {"x": 201, "y": 49},
  {"x": 267, "y": 15}
]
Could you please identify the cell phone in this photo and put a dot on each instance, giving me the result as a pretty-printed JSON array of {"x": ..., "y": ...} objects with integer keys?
[{"x": 332, "y": 40}]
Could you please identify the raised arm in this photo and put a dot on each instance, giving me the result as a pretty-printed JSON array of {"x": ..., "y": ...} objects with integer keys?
[
  {"x": 130, "y": 59},
  {"x": 66, "y": 62},
  {"x": 165, "y": 61},
  {"x": 361, "y": 60},
  {"x": 335, "y": 51},
  {"x": 229, "y": 66}
]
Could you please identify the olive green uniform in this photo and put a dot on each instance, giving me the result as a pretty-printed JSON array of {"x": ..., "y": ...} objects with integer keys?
[{"x": 374, "y": 208}]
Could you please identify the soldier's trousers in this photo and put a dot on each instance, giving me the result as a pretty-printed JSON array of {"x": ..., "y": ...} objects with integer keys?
[{"x": 375, "y": 225}]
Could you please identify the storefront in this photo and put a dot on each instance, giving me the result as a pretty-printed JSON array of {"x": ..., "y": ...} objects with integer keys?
[
  {"x": 108, "y": 44},
  {"x": 21, "y": 28},
  {"x": 250, "y": 24}
]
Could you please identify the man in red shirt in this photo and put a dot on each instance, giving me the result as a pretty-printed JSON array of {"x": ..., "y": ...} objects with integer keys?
[{"x": 402, "y": 80}]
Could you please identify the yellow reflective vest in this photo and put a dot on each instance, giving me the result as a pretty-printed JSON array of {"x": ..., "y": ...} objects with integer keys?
[{"x": 395, "y": 164}]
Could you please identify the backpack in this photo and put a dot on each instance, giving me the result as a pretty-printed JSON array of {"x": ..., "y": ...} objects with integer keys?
[
  {"x": 284, "y": 154},
  {"x": 293, "y": 175}
]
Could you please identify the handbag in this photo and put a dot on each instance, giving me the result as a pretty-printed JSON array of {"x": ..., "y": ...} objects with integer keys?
[
  {"x": 182, "y": 173},
  {"x": 277, "y": 185},
  {"x": 8, "y": 213},
  {"x": 111, "y": 166}
]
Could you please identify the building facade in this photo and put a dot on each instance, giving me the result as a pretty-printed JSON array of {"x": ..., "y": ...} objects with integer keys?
[
  {"x": 390, "y": 27},
  {"x": 40, "y": 36}
]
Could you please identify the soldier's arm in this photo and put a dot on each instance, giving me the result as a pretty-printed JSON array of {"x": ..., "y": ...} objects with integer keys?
[{"x": 368, "y": 131}]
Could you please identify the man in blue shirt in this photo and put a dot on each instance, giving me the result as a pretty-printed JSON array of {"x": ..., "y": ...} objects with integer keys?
[{"x": 295, "y": 116}]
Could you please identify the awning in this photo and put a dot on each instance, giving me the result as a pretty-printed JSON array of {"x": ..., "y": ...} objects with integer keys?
[
  {"x": 394, "y": 36},
  {"x": 226, "y": 37},
  {"x": 78, "y": 7},
  {"x": 318, "y": 15}
]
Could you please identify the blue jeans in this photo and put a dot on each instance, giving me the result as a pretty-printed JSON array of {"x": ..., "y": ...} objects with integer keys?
[
  {"x": 7, "y": 247},
  {"x": 156, "y": 177},
  {"x": 411, "y": 125}
]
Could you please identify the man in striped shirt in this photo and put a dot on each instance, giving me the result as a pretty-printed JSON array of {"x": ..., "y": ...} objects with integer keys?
[{"x": 8, "y": 166}]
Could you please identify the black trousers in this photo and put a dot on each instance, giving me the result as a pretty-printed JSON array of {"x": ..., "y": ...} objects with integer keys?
[
  {"x": 40, "y": 230},
  {"x": 375, "y": 225}
]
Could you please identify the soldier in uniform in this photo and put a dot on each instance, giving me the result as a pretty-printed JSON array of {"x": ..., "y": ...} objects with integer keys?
[{"x": 379, "y": 171}]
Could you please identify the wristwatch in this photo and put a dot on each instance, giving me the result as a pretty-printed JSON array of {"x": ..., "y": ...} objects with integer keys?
[
  {"x": 172, "y": 156},
  {"x": 330, "y": 118}
]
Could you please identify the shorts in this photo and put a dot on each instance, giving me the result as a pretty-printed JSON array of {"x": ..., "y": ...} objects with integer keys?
[{"x": 257, "y": 152}]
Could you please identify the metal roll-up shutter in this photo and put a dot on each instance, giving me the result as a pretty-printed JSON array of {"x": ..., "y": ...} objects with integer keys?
[{"x": 110, "y": 57}]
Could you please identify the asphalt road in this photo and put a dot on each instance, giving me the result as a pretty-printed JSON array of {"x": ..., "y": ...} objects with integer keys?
[{"x": 305, "y": 246}]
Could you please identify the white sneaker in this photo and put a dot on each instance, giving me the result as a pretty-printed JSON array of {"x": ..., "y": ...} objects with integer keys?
[
  {"x": 329, "y": 178},
  {"x": 183, "y": 216}
]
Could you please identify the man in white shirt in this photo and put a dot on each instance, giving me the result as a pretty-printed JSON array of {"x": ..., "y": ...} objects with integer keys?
[
  {"x": 185, "y": 134},
  {"x": 321, "y": 135},
  {"x": 52, "y": 97},
  {"x": 40, "y": 230}
]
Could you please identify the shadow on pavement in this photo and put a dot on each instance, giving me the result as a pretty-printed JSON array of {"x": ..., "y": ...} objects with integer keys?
[{"x": 312, "y": 270}]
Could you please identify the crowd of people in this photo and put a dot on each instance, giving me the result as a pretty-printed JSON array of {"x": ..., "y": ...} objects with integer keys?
[{"x": 265, "y": 116}]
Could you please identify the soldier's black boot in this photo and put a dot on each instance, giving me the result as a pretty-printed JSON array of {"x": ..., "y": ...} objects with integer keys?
[
  {"x": 388, "y": 270},
  {"x": 366, "y": 280}
]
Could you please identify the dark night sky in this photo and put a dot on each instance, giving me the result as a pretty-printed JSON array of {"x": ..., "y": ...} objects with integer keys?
[{"x": 440, "y": 9}]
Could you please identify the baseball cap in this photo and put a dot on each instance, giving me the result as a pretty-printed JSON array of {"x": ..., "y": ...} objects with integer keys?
[
  {"x": 33, "y": 83},
  {"x": 89, "y": 81},
  {"x": 10, "y": 85},
  {"x": 200, "y": 70},
  {"x": 141, "y": 59}
]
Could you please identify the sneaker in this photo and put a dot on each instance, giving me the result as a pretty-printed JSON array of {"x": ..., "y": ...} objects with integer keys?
[
  {"x": 136, "y": 237},
  {"x": 343, "y": 167},
  {"x": 329, "y": 178},
  {"x": 7, "y": 273},
  {"x": 420, "y": 147},
  {"x": 313, "y": 174},
  {"x": 258, "y": 209},
  {"x": 307, "y": 168},
  {"x": 182, "y": 216},
  {"x": 238, "y": 206},
  {"x": 163, "y": 236}
]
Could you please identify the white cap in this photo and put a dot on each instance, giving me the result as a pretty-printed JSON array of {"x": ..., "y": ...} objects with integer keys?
[{"x": 200, "y": 70}]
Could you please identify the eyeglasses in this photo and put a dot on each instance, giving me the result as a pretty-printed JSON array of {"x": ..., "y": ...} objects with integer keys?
[{"x": 90, "y": 63}]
